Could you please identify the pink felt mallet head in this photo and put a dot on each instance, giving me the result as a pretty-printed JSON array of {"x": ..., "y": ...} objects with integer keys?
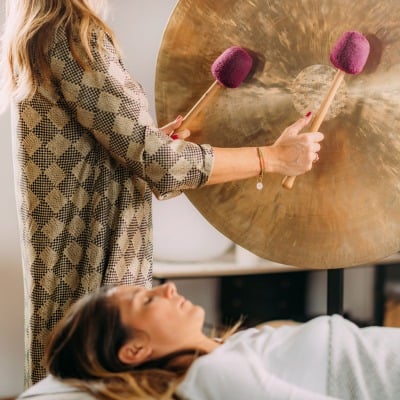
[
  {"x": 231, "y": 68},
  {"x": 350, "y": 53}
]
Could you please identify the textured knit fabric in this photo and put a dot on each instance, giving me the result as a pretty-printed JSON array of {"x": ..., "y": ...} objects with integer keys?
[
  {"x": 88, "y": 158},
  {"x": 326, "y": 358},
  {"x": 364, "y": 363},
  {"x": 264, "y": 364}
]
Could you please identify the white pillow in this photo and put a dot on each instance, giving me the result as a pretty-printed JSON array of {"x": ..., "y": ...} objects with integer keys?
[{"x": 53, "y": 388}]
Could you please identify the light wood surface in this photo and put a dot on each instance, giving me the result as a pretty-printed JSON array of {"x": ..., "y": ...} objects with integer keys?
[{"x": 226, "y": 266}]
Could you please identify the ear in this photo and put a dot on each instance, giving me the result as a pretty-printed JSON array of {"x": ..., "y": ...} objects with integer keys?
[{"x": 135, "y": 352}]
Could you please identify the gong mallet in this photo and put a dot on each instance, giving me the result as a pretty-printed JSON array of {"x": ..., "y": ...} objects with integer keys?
[
  {"x": 229, "y": 69},
  {"x": 349, "y": 55}
]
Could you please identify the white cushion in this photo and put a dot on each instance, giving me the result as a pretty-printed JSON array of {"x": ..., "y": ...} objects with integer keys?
[{"x": 53, "y": 388}]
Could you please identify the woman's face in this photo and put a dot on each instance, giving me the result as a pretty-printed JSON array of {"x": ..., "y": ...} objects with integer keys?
[{"x": 169, "y": 321}]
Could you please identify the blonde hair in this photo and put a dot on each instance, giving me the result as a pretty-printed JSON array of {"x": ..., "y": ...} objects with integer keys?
[{"x": 29, "y": 27}]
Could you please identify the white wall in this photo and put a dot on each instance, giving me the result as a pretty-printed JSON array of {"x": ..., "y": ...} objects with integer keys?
[
  {"x": 11, "y": 287},
  {"x": 139, "y": 26}
]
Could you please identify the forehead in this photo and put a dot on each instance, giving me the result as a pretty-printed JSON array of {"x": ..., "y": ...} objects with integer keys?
[
  {"x": 121, "y": 293},
  {"x": 124, "y": 298}
]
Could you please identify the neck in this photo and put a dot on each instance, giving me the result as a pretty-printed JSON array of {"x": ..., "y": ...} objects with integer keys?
[
  {"x": 212, "y": 344},
  {"x": 180, "y": 360},
  {"x": 205, "y": 344},
  {"x": 184, "y": 359},
  {"x": 183, "y": 355}
]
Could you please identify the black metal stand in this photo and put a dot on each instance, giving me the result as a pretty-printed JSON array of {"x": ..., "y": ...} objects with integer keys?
[
  {"x": 335, "y": 291},
  {"x": 381, "y": 272}
]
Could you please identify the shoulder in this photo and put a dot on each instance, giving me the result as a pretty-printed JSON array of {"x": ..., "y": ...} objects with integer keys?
[
  {"x": 216, "y": 375},
  {"x": 70, "y": 45},
  {"x": 234, "y": 361}
]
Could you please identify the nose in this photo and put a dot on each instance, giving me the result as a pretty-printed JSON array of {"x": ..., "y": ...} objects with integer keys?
[{"x": 169, "y": 289}]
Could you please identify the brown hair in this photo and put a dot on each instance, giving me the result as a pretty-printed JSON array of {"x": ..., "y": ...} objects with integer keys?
[
  {"x": 84, "y": 349},
  {"x": 29, "y": 29}
]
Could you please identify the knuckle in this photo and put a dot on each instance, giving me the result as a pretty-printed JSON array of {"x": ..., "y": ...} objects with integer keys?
[{"x": 308, "y": 139}]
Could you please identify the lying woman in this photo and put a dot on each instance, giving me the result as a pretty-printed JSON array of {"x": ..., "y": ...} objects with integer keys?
[{"x": 134, "y": 343}]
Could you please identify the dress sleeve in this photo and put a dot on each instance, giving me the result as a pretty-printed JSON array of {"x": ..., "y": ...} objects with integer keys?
[{"x": 112, "y": 107}]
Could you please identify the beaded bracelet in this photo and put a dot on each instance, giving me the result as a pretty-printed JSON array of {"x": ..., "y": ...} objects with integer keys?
[{"x": 260, "y": 177}]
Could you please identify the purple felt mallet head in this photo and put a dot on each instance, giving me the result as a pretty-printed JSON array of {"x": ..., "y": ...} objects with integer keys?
[
  {"x": 231, "y": 68},
  {"x": 350, "y": 52}
]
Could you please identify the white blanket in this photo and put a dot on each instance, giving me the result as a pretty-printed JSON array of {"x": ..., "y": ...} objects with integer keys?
[
  {"x": 326, "y": 358},
  {"x": 363, "y": 363}
]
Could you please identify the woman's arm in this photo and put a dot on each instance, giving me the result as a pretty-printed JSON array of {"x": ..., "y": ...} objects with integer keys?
[
  {"x": 112, "y": 108},
  {"x": 292, "y": 154}
]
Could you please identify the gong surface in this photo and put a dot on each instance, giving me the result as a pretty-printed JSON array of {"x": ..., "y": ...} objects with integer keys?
[{"x": 346, "y": 210}]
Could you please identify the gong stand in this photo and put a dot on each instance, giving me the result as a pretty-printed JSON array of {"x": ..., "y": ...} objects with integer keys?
[
  {"x": 335, "y": 287},
  {"x": 346, "y": 210}
]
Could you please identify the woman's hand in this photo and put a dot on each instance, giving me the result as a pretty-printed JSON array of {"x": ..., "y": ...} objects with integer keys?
[
  {"x": 170, "y": 128},
  {"x": 293, "y": 153}
]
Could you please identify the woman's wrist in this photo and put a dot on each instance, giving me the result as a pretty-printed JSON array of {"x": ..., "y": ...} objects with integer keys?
[
  {"x": 261, "y": 172},
  {"x": 269, "y": 157}
]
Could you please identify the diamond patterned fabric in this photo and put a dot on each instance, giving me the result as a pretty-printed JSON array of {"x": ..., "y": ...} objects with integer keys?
[{"x": 88, "y": 157}]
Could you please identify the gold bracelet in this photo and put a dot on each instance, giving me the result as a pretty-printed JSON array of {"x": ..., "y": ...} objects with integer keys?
[{"x": 260, "y": 177}]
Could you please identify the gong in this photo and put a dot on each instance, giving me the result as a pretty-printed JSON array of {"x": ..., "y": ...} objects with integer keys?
[{"x": 346, "y": 210}]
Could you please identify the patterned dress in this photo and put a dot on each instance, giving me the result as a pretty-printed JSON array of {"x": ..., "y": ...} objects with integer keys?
[{"x": 87, "y": 159}]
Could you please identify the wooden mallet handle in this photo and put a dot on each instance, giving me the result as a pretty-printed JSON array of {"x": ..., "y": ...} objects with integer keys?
[
  {"x": 288, "y": 181},
  {"x": 208, "y": 94},
  {"x": 229, "y": 69}
]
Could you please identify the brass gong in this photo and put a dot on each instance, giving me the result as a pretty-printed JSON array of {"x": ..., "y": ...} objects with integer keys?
[{"x": 344, "y": 212}]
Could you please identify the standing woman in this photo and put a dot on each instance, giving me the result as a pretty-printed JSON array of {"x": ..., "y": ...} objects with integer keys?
[{"x": 88, "y": 157}]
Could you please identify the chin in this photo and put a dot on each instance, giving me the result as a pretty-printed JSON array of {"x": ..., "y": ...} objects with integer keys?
[
  {"x": 199, "y": 309},
  {"x": 201, "y": 314}
]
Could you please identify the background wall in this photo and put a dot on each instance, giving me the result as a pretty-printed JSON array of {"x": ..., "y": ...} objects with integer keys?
[
  {"x": 139, "y": 24},
  {"x": 11, "y": 289}
]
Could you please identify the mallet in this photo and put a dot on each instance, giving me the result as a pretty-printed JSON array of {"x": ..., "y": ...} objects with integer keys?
[
  {"x": 230, "y": 69},
  {"x": 349, "y": 55}
]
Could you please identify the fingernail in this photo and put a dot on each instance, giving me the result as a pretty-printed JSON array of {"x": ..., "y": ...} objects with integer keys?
[
  {"x": 178, "y": 117},
  {"x": 174, "y": 136},
  {"x": 308, "y": 114}
]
